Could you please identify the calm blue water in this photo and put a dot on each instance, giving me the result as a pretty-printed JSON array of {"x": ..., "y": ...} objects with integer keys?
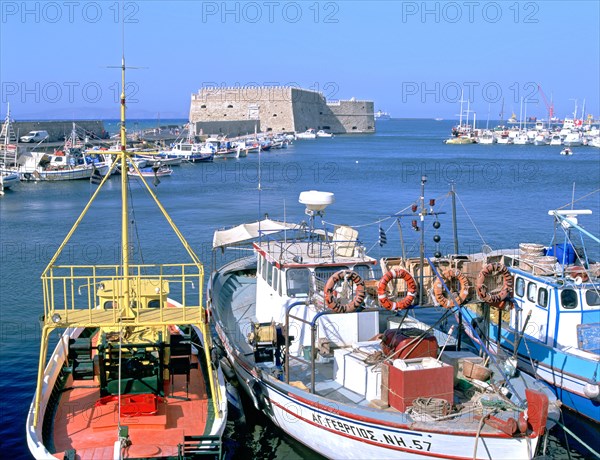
[{"x": 506, "y": 192}]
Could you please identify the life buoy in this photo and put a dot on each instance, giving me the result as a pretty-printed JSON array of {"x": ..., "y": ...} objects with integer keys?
[
  {"x": 499, "y": 299},
  {"x": 463, "y": 291},
  {"x": 578, "y": 272},
  {"x": 334, "y": 301},
  {"x": 411, "y": 287}
]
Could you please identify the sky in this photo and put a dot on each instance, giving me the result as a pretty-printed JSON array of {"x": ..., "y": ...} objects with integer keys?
[{"x": 412, "y": 58}]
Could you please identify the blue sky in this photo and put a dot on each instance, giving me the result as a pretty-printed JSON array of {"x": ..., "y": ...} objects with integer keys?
[{"x": 410, "y": 58}]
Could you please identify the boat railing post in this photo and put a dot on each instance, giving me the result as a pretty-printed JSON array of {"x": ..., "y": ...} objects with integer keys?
[{"x": 286, "y": 368}]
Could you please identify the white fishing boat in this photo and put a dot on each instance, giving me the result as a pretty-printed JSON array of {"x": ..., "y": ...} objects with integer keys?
[
  {"x": 487, "y": 137},
  {"x": 308, "y": 134},
  {"x": 8, "y": 180},
  {"x": 189, "y": 151},
  {"x": 70, "y": 162},
  {"x": 301, "y": 328},
  {"x": 8, "y": 154},
  {"x": 382, "y": 115},
  {"x": 321, "y": 133},
  {"x": 131, "y": 375},
  {"x": 156, "y": 170}
]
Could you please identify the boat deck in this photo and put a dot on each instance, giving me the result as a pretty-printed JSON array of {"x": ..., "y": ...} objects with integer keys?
[
  {"x": 239, "y": 292},
  {"x": 179, "y": 415}
]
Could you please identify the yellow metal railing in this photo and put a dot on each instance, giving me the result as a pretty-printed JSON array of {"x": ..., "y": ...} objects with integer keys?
[
  {"x": 66, "y": 305},
  {"x": 72, "y": 295}
]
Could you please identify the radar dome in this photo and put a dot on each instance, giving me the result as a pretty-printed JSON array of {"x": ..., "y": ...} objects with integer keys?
[{"x": 315, "y": 200}]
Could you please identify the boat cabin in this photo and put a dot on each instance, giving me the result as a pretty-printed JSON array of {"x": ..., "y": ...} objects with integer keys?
[{"x": 290, "y": 285}]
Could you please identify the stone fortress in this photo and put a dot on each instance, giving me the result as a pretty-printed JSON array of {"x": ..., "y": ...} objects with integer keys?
[{"x": 236, "y": 111}]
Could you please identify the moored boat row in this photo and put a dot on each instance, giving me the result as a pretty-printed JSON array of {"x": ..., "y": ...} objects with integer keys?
[{"x": 308, "y": 337}]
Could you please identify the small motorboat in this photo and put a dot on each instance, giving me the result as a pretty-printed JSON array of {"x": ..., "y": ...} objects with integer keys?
[
  {"x": 321, "y": 133},
  {"x": 151, "y": 171},
  {"x": 566, "y": 151}
]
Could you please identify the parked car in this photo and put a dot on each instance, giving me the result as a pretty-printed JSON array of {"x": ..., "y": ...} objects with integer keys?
[{"x": 35, "y": 136}]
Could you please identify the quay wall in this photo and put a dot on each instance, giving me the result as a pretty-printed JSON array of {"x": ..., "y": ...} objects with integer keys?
[
  {"x": 280, "y": 109},
  {"x": 231, "y": 128},
  {"x": 57, "y": 130}
]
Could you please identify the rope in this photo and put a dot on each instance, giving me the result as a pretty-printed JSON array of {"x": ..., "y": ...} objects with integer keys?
[
  {"x": 579, "y": 199},
  {"x": 479, "y": 428},
  {"x": 577, "y": 438},
  {"x": 469, "y": 216}
]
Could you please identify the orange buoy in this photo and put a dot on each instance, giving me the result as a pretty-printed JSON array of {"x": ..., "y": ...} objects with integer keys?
[{"x": 403, "y": 303}]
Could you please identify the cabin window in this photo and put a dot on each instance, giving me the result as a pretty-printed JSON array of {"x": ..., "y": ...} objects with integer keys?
[
  {"x": 297, "y": 281},
  {"x": 275, "y": 278},
  {"x": 203, "y": 106},
  {"x": 542, "y": 297},
  {"x": 269, "y": 274},
  {"x": 520, "y": 287},
  {"x": 109, "y": 305},
  {"x": 592, "y": 298},
  {"x": 154, "y": 303},
  {"x": 531, "y": 291},
  {"x": 364, "y": 271},
  {"x": 568, "y": 299},
  {"x": 322, "y": 274},
  {"x": 264, "y": 268},
  {"x": 230, "y": 106}
]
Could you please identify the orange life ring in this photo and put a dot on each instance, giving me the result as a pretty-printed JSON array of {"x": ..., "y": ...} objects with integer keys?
[
  {"x": 411, "y": 286},
  {"x": 333, "y": 301},
  {"x": 439, "y": 291},
  {"x": 495, "y": 300},
  {"x": 578, "y": 272}
]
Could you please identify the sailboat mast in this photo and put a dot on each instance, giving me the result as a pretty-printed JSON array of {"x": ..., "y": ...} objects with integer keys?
[{"x": 124, "y": 209}]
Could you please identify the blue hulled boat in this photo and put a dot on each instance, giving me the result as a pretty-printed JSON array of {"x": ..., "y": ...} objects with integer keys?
[{"x": 548, "y": 315}]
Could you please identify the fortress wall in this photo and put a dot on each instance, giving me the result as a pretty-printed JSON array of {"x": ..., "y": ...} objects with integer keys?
[{"x": 280, "y": 109}]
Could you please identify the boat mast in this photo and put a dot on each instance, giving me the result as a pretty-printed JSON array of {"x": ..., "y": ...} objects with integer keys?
[
  {"x": 454, "y": 224},
  {"x": 124, "y": 209},
  {"x": 422, "y": 246}
]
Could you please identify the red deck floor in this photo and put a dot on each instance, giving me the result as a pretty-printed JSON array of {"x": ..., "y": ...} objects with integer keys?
[{"x": 92, "y": 431}]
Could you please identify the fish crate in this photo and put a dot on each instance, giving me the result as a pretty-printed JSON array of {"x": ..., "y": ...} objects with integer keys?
[{"x": 418, "y": 378}]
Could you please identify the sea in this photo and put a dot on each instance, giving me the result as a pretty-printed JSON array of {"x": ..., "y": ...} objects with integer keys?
[{"x": 503, "y": 195}]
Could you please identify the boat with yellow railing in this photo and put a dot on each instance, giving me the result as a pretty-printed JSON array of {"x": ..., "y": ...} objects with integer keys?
[{"x": 132, "y": 374}]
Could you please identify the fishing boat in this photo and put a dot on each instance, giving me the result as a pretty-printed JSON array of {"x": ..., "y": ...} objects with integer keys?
[
  {"x": 310, "y": 133},
  {"x": 190, "y": 151},
  {"x": 70, "y": 162},
  {"x": 8, "y": 154},
  {"x": 156, "y": 170},
  {"x": 550, "y": 320},
  {"x": 299, "y": 322},
  {"x": 382, "y": 115},
  {"x": 321, "y": 133},
  {"x": 131, "y": 375},
  {"x": 8, "y": 180}
]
